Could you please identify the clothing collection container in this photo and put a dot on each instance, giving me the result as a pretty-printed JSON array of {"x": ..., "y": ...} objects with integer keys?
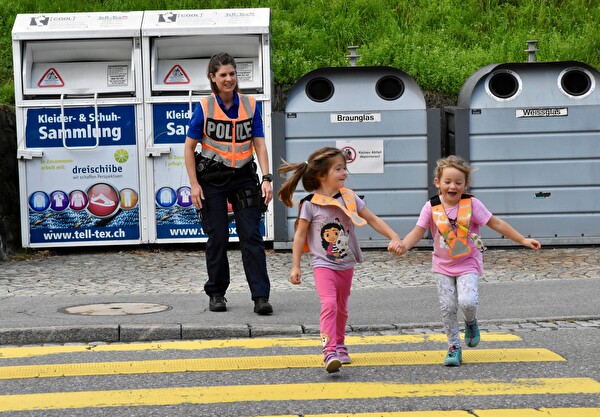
[
  {"x": 177, "y": 47},
  {"x": 78, "y": 97},
  {"x": 103, "y": 102}
]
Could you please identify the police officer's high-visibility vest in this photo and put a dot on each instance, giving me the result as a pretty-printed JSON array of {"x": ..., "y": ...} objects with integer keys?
[
  {"x": 228, "y": 140},
  {"x": 457, "y": 240}
]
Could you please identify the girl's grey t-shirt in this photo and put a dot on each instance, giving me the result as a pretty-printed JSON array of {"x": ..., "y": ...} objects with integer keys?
[{"x": 331, "y": 236}]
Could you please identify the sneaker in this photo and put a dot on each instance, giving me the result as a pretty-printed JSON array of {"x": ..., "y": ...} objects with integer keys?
[
  {"x": 454, "y": 356},
  {"x": 217, "y": 303},
  {"x": 262, "y": 306},
  {"x": 342, "y": 354},
  {"x": 471, "y": 333},
  {"x": 332, "y": 362}
]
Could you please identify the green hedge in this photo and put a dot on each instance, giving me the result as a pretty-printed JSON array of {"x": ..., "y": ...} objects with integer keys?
[{"x": 439, "y": 43}]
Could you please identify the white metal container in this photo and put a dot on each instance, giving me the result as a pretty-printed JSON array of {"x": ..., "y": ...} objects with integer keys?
[
  {"x": 177, "y": 46},
  {"x": 79, "y": 108}
]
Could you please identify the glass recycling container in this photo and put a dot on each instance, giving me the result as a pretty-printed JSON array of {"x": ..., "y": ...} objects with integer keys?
[
  {"x": 79, "y": 110},
  {"x": 532, "y": 131},
  {"x": 378, "y": 117}
]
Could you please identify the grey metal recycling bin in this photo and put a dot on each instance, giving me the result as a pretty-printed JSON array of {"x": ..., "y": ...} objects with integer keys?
[
  {"x": 532, "y": 131},
  {"x": 378, "y": 116}
]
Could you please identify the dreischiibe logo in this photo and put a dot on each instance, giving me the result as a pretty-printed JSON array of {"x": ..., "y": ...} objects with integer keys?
[{"x": 121, "y": 155}]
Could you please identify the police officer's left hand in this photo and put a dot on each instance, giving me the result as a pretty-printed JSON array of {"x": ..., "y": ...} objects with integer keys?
[{"x": 267, "y": 191}]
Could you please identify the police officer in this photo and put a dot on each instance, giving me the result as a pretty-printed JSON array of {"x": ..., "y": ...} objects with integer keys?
[{"x": 229, "y": 127}]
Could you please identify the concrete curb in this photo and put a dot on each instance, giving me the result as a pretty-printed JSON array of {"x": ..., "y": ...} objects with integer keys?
[
  {"x": 59, "y": 334},
  {"x": 125, "y": 333}
]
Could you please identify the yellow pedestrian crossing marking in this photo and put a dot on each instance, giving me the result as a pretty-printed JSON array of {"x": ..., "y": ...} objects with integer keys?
[
  {"x": 505, "y": 412},
  {"x": 540, "y": 412},
  {"x": 294, "y": 392},
  {"x": 246, "y": 343},
  {"x": 424, "y": 357},
  {"x": 431, "y": 413},
  {"x": 302, "y": 391}
]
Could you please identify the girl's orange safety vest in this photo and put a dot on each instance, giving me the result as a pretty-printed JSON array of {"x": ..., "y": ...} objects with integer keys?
[
  {"x": 349, "y": 206},
  {"x": 228, "y": 140},
  {"x": 456, "y": 241}
]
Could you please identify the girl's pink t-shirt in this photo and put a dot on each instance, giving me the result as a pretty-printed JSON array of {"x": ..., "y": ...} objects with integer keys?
[{"x": 442, "y": 263}]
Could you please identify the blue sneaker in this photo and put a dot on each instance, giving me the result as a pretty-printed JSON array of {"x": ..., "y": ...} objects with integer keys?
[
  {"x": 332, "y": 362},
  {"x": 454, "y": 356},
  {"x": 471, "y": 333}
]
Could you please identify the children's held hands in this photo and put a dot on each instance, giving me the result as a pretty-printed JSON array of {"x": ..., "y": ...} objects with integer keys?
[
  {"x": 295, "y": 276},
  {"x": 396, "y": 246},
  {"x": 532, "y": 244}
]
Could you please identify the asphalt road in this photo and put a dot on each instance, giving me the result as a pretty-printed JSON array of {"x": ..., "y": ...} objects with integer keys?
[{"x": 376, "y": 388}]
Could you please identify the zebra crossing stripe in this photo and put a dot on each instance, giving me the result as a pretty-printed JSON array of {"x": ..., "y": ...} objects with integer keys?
[
  {"x": 246, "y": 343},
  {"x": 540, "y": 412},
  {"x": 301, "y": 392},
  {"x": 503, "y": 412},
  {"x": 423, "y": 357},
  {"x": 429, "y": 413}
]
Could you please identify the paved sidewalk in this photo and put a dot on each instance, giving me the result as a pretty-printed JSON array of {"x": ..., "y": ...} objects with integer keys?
[
  {"x": 521, "y": 291},
  {"x": 181, "y": 270}
]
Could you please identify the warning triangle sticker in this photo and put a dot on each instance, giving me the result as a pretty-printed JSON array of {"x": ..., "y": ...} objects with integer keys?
[
  {"x": 177, "y": 76},
  {"x": 51, "y": 79}
]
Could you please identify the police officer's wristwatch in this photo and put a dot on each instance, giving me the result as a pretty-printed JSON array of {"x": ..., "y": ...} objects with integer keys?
[{"x": 267, "y": 177}]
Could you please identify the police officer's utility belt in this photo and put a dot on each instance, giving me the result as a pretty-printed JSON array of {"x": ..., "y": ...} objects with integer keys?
[{"x": 217, "y": 173}]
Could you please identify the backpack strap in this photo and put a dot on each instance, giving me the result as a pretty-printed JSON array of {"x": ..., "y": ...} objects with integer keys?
[{"x": 307, "y": 198}]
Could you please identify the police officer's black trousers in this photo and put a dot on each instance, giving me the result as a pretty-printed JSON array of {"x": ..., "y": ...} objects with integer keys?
[{"x": 247, "y": 222}]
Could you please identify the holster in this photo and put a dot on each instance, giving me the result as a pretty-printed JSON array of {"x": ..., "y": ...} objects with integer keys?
[
  {"x": 212, "y": 171},
  {"x": 248, "y": 198}
]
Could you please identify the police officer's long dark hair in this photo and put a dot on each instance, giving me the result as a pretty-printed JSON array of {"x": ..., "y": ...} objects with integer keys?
[{"x": 216, "y": 62}]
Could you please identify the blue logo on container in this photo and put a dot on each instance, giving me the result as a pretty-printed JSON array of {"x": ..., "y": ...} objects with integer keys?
[
  {"x": 166, "y": 197},
  {"x": 59, "y": 200},
  {"x": 39, "y": 201},
  {"x": 184, "y": 197}
]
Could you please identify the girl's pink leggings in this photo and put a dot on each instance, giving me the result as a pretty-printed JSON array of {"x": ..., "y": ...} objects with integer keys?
[{"x": 333, "y": 288}]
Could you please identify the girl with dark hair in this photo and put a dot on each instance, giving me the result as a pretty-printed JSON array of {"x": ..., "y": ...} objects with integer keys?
[{"x": 326, "y": 222}]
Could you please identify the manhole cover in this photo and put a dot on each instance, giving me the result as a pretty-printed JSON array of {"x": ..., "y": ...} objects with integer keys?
[{"x": 115, "y": 309}]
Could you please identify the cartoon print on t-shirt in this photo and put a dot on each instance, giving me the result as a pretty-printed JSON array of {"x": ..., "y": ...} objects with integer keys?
[
  {"x": 341, "y": 245},
  {"x": 335, "y": 241}
]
